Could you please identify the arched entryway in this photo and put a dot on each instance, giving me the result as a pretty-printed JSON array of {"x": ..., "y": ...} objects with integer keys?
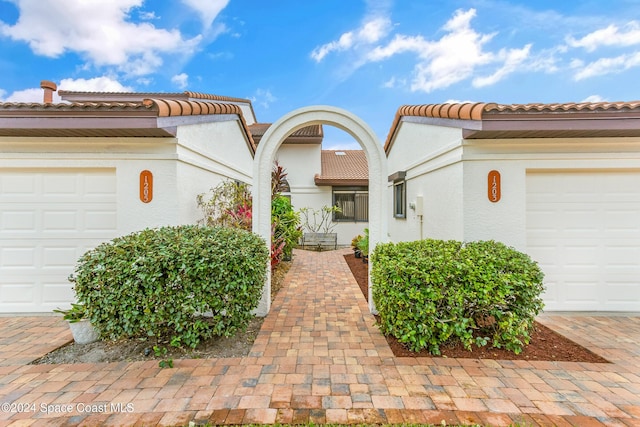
[{"x": 265, "y": 156}]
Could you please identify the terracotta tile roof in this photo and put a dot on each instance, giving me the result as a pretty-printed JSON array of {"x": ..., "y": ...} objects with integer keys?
[
  {"x": 11, "y": 108},
  {"x": 312, "y": 134},
  {"x": 106, "y": 119},
  {"x": 82, "y": 96},
  {"x": 526, "y": 114},
  {"x": 173, "y": 107},
  {"x": 343, "y": 168}
]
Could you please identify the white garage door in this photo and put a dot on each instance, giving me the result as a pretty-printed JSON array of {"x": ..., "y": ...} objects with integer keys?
[
  {"x": 48, "y": 219},
  {"x": 584, "y": 230}
]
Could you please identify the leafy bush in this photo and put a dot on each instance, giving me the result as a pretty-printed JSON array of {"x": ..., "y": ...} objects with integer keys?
[
  {"x": 186, "y": 282},
  {"x": 286, "y": 228},
  {"x": 431, "y": 291}
]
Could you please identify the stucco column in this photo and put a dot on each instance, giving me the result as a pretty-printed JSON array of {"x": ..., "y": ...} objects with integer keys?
[{"x": 263, "y": 163}]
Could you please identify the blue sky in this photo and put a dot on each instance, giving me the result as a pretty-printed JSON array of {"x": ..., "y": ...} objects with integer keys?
[{"x": 369, "y": 57}]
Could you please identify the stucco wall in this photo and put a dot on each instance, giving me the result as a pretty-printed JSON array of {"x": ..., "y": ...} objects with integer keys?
[
  {"x": 200, "y": 157},
  {"x": 452, "y": 177},
  {"x": 431, "y": 157},
  {"x": 506, "y": 220},
  {"x": 207, "y": 155},
  {"x": 302, "y": 163}
]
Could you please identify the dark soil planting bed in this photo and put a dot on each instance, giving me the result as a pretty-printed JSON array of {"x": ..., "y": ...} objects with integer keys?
[{"x": 545, "y": 345}]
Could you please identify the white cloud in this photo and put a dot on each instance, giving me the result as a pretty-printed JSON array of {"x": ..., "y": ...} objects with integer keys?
[
  {"x": 27, "y": 95},
  {"x": 610, "y": 36},
  {"x": 207, "y": 9},
  {"x": 341, "y": 145},
  {"x": 263, "y": 97},
  {"x": 594, "y": 98},
  {"x": 456, "y": 56},
  {"x": 181, "y": 80},
  {"x": 99, "y": 31},
  {"x": 457, "y": 101},
  {"x": 604, "y": 66},
  {"x": 97, "y": 84},
  {"x": 513, "y": 59},
  {"x": 395, "y": 83},
  {"x": 370, "y": 32},
  {"x": 147, "y": 16}
]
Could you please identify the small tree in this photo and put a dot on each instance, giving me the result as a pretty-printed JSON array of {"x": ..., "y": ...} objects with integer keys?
[
  {"x": 229, "y": 204},
  {"x": 319, "y": 220}
]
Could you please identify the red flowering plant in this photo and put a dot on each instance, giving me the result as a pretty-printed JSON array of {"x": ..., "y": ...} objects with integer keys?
[{"x": 230, "y": 205}]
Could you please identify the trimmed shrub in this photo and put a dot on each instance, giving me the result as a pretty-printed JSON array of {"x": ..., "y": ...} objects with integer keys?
[
  {"x": 187, "y": 283},
  {"x": 430, "y": 291}
]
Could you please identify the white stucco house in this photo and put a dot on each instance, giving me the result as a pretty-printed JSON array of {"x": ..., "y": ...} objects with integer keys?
[
  {"x": 560, "y": 182},
  {"x": 320, "y": 178},
  {"x": 75, "y": 174},
  {"x": 100, "y": 165}
]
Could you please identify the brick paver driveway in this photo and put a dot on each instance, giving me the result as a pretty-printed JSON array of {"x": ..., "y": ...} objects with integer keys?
[{"x": 320, "y": 358}]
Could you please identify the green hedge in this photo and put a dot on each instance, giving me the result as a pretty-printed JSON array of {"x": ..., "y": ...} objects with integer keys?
[
  {"x": 430, "y": 291},
  {"x": 186, "y": 282}
]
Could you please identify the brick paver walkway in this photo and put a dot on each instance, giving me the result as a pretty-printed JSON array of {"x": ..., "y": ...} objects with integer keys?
[{"x": 320, "y": 358}]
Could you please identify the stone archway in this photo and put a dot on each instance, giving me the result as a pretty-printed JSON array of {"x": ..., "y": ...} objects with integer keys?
[{"x": 263, "y": 162}]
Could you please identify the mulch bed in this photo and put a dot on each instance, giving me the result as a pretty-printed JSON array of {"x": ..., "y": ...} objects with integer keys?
[{"x": 545, "y": 345}]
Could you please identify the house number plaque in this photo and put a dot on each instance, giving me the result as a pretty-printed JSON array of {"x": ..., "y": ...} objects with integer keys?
[
  {"x": 493, "y": 184},
  {"x": 146, "y": 186}
]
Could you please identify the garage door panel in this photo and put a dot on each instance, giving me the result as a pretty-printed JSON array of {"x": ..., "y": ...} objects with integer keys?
[
  {"x": 57, "y": 220},
  {"x": 581, "y": 292},
  {"x": 585, "y": 257},
  {"x": 17, "y": 220},
  {"x": 587, "y": 242},
  {"x": 56, "y": 294},
  {"x": 18, "y": 257},
  {"x": 18, "y": 184},
  {"x": 61, "y": 184},
  {"x": 59, "y": 256},
  {"x": 19, "y": 293},
  {"x": 48, "y": 219},
  {"x": 621, "y": 256}
]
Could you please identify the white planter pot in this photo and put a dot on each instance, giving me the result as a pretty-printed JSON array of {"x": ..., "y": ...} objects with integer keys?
[{"x": 83, "y": 332}]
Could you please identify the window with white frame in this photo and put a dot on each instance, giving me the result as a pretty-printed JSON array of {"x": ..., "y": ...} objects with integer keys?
[{"x": 353, "y": 203}]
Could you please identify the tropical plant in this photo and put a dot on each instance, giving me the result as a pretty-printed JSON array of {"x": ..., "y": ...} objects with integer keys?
[
  {"x": 279, "y": 182},
  {"x": 355, "y": 241},
  {"x": 228, "y": 204},
  {"x": 363, "y": 243},
  {"x": 318, "y": 220},
  {"x": 76, "y": 313},
  {"x": 286, "y": 227}
]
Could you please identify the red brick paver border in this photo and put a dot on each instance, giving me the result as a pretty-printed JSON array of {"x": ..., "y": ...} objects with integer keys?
[{"x": 319, "y": 358}]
